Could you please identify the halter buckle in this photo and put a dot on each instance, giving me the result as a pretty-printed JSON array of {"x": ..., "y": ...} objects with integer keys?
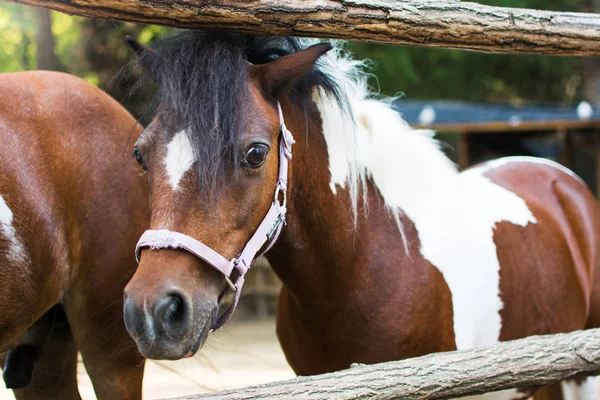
[
  {"x": 230, "y": 283},
  {"x": 234, "y": 261}
]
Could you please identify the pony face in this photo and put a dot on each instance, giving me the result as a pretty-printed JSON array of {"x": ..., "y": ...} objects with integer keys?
[
  {"x": 177, "y": 292},
  {"x": 212, "y": 176}
]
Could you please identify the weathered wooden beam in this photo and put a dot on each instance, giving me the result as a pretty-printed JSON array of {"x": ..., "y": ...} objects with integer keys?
[
  {"x": 450, "y": 24},
  {"x": 532, "y": 362}
]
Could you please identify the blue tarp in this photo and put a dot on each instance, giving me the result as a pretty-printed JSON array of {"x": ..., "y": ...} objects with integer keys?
[{"x": 465, "y": 112}]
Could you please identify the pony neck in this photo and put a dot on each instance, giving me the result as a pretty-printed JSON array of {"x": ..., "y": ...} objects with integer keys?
[{"x": 352, "y": 167}]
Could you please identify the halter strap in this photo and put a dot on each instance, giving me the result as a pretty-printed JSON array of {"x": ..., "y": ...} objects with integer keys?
[{"x": 263, "y": 238}]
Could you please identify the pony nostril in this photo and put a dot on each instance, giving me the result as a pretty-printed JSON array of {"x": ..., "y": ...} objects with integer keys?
[
  {"x": 171, "y": 311},
  {"x": 176, "y": 309}
]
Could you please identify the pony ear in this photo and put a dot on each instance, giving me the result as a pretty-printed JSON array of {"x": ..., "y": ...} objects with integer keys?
[
  {"x": 143, "y": 53},
  {"x": 276, "y": 76}
]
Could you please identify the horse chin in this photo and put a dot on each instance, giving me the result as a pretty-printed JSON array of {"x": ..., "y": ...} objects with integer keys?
[
  {"x": 173, "y": 351},
  {"x": 200, "y": 342},
  {"x": 203, "y": 334}
]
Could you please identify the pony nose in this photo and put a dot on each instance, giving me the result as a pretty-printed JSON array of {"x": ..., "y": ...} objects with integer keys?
[
  {"x": 166, "y": 316},
  {"x": 171, "y": 314}
]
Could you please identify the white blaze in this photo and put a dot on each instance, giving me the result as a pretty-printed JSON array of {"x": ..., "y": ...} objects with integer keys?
[{"x": 179, "y": 159}]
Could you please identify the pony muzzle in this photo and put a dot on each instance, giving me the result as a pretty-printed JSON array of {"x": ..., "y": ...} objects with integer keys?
[{"x": 168, "y": 325}]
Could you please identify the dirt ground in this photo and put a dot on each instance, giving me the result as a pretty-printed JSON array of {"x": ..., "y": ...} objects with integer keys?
[{"x": 243, "y": 353}]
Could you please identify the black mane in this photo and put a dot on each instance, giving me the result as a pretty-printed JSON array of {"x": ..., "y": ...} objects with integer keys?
[{"x": 202, "y": 79}]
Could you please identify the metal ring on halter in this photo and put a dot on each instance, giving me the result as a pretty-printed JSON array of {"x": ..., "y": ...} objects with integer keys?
[
  {"x": 234, "y": 261},
  {"x": 230, "y": 283},
  {"x": 276, "y": 197}
]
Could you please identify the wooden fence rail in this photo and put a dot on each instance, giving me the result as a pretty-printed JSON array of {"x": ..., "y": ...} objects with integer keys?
[
  {"x": 535, "y": 361},
  {"x": 450, "y": 23}
]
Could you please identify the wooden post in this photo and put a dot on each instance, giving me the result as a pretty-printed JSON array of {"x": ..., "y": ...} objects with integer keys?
[
  {"x": 567, "y": 151},
  {"x": 463, "y": 150}
]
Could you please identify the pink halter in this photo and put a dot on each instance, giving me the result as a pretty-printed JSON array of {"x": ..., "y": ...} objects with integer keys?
[{"x": 266, "y": 234}]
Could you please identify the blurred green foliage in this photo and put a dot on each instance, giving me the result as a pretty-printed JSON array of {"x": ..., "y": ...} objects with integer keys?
[
  {"x": 17, "y": 30},
  {"x": 452, "y": 74},
  {"x": 18, "y": 26},
  {"x": 95, "y": 50}
]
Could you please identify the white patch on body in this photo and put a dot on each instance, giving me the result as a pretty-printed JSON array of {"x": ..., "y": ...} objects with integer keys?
[
  {"x": 457, "y": 237},
  {"x": 179, "y": 159},
  {"x": 455, "y": 214},
  {"x": 587, "y": 390},
  {"x": 343, "y": 149},
  {"x": 16, "y": 250}
]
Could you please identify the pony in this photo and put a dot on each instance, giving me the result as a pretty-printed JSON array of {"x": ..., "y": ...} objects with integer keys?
[
  {"x": 385, "y": 250},
  {"x": 71, "y": 207}
]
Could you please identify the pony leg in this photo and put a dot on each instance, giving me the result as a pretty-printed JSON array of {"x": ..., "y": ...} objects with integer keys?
[
  {"x": 18, "y": 366},
  {"x": 588, "y": 388},
  {"x": 55, "y": 371},
  {"x": 110, "y": 356},
  {"x": 580, "y": 389}
]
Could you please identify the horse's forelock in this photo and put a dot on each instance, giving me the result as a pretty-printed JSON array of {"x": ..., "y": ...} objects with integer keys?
[{"x": 203, "y": 89}]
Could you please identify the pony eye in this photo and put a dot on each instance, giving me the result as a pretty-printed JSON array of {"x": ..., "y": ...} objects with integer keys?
[
  {"x": 256, "y": 155},
  {"x": 138, "y": 157}
]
